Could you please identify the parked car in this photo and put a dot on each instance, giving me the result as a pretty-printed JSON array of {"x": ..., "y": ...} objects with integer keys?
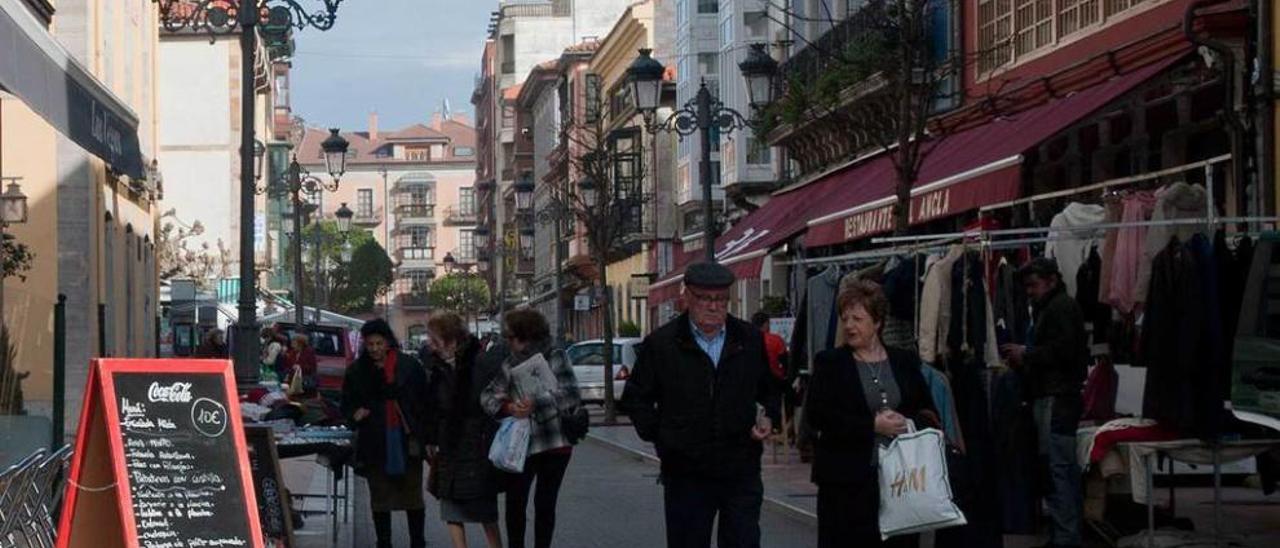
[
  {"x": 587, "y": 358},
  {"x": 334, "y": 351}
]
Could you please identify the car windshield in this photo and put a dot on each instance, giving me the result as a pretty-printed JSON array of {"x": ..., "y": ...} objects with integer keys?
[{"x": 592, "y": 354}]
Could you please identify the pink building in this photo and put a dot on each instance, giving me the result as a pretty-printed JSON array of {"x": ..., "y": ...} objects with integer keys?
[{"x": 414, "y": 188}]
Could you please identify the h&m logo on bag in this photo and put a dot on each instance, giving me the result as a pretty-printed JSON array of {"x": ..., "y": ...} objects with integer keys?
[{"x": 908, "y": 481}]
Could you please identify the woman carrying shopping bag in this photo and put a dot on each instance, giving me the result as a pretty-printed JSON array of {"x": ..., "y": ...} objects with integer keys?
[
  {"x": 537, "y": 383},
  {"x": 461, "y": 476},
  {"x": 381, "y": 398},
  {"x": 861, "y": 394}
]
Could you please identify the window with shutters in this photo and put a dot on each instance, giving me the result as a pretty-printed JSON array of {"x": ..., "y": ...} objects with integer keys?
[
  {"x": 1012, "y": 30},
  {"x": 593, "y": 98}
]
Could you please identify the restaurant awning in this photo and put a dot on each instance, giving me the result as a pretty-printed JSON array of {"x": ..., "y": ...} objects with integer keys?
[
  {"x": 965, "y": 171},
  {"x": 37, "y": 69}
]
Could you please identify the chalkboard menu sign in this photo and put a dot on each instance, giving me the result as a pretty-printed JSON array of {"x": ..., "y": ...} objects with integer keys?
[
  {"x": 273, "y": 502},
  {"x": 160, "y": 459}
]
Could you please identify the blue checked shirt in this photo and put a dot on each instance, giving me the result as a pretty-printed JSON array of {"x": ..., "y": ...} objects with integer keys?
[{"x": 713, "y": 345}]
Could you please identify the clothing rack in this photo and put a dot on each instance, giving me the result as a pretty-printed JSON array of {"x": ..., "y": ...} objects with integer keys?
[{"x": 1207, "y": 165}]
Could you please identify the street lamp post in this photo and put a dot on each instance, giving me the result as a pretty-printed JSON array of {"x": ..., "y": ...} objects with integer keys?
[
  {"x": 552, "y": 213},
  {"x": 275, "y": 18},
  {"x": 295, "y": 182},
  {"x": 700, "y": 115}
]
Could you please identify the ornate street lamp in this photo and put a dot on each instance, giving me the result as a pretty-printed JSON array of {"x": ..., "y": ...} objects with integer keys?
[
  {"x": 344, "y": 215},
  {"x": 524, "y": 192},
  {"x": 259, "y": 151},
  {"x": 227, "y": 18},
  {"x": 335, "y": 154},
  {"x": 450, "y": 263},
  {"x": 13, "y": 204},
  {"x": 483, "y": 260},
  {"x": 760, "y": 71},
  {"x": 588, "y": 191},
  {"x": 346, "y": 252},
  {"x": 526, "y": 240},
  {"x": 699, "y": 115},
  {"x": 645, "y": 76}
]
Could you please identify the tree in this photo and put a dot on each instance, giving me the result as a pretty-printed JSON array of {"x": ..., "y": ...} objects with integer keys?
[
  {"x": 464, "y": 293},
  {"x": 348, "y": 287},
  {"x": 177, "y": 260},
  {"x": 880, "y": 79},
  {"x": 605, "y": 194},
  {"x": 17, "y": 258}
]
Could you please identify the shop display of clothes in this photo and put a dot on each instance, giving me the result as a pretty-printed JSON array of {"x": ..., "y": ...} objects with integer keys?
[
  {"x": 1071, "y": 248},
  {"x": 1178, "y": 201},
  {"x": 1126, "y": 255},
  {"x": 1010, "y": 305},
  {"x": 934, "y": 323},
  {"x": 1097, "y": 315},
  {"x": 821, "y": 293}
]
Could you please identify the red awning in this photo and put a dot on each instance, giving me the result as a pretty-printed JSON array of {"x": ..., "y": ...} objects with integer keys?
[{"x": 970, "y": 169}]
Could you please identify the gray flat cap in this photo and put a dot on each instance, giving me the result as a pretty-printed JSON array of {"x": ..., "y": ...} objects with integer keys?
[{"x": 709, "y": 275}]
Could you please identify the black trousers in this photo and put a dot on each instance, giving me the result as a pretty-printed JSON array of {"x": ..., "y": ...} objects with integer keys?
[
  {"x": 548, "y": 469},
  {"x": 693, "y": 502},
  {"x": 849, "y": 516}
]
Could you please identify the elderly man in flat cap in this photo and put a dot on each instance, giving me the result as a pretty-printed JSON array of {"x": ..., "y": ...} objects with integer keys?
[{"x": 701, "y": 391}]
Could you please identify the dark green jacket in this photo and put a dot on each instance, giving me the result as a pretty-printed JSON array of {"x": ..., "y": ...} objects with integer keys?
[{"x": 1057, "y": 359}]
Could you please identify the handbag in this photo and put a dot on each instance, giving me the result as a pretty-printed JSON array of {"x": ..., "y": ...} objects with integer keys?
[
  {"x": 511, "y": 445},
  {"x": 915, "y": 489},
  {"x": 575, "y": 424},
  {"x": 295, "y": 382}
]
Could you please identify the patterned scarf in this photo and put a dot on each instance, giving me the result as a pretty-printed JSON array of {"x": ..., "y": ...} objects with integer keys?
[{"x": 395, "y": 464}]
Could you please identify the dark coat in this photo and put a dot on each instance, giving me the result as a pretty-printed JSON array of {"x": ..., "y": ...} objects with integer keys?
[
  {"x": 842, "y": 424},
  {"x": 365, "y": 387},
  {"x": 699, "y": 416},
  {"x": 1057, "y": 360},
  {"x": 460, "y": 428}
]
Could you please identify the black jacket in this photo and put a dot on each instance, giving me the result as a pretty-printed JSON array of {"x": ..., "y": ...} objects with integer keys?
[
  {"x": 459, "y": 427},
  {"x": 1057, "y": 360},
  {"x": 365, "y": 387},
  {"x": 842, "y": 425},
  {"x": 699, "y": 416}
]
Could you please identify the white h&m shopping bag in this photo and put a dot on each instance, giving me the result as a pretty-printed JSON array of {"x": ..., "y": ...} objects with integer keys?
[{"x": 915, "y": 491}]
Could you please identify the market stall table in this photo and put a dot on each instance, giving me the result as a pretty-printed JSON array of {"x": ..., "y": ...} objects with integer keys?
[
  {"x": 1192, "y": 452},
  {"x": 333, "y": 449}
]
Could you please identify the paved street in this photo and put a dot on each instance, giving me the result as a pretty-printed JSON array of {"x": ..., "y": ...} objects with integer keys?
[{"x": 608, "y": 500}]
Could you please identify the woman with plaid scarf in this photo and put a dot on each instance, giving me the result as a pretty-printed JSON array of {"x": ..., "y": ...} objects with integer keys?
[{"x": 529, "y": 341}]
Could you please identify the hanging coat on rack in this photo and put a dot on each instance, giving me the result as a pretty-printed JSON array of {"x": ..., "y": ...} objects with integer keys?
[
  {"x": 935, "y": 308},
  {"x": 1171, "y": 337}
]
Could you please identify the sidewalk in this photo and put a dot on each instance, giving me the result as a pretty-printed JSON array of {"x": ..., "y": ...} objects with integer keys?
[{"x": 786, "y": 480}]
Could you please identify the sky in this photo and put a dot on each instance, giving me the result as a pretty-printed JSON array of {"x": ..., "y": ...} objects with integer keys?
[{"x": 400, "y": 58}]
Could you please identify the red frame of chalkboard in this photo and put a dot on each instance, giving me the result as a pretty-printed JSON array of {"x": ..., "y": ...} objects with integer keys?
[{"x": 100, "y": 378}]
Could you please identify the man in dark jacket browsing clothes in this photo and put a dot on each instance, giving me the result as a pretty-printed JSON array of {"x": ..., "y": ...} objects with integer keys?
[
  {"x": 693, "y": 393},
  {"x": 1054, "y": 364}
]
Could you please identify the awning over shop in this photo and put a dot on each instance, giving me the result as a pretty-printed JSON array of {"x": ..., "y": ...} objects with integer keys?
[
  {"x": 37, "y": 69},
  {"x": 965, "y": 171}
]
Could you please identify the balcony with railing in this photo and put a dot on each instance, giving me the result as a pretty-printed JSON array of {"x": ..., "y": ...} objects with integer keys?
[
  {"x": 458, "y": 215},
  {"x": 413, "y": 299},
  {"x": 834, "y": 50},
  {"x": 416, "y": 258},
  {"x": 368, "y": 217}
]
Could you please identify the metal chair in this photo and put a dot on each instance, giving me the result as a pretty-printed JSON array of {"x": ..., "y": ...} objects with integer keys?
[
  {"x": 13, "y": 500},
  {"x": 45, "y": 488}
]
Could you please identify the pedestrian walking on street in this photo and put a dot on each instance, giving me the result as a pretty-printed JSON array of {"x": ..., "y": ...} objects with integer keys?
[
  {"x": 214, "y": 345},
  {"x": 696, "y": 392},
  {"x": 273, "y": 352},
  {"x": 861, "y": 393},
  {"x": 382, "y": 397},
  {"x": 551, "y": 445},
  {"x": 302, "y": 363},
  {"x": 1055, "y": 362},
  {"x": 462, "y": 477}
]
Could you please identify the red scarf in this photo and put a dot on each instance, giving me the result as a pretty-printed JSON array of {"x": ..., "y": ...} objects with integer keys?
[{"x": 389, "y": 375}]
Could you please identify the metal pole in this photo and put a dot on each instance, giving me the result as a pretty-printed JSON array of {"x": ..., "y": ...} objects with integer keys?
[
  {"x": 315, "y": 255},
  {"x": 559, "y": 303},
  {"x": 246, "y": 353},
  {"x": 296, "y": 194},
  {"x": 59, "y": 372},
  {"x": 704, "y": 171}
]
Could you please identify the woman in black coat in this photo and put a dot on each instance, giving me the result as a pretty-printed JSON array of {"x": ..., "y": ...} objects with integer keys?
[
  {"x": 381, "y": 398},
  {"x": 461, "y": 475},
  {"x": 861, "y": 393}
]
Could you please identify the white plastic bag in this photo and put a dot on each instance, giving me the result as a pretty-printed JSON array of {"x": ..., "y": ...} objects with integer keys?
[
  {"x": 511, "y": 445},
  {"x": 915, "y": 492}
]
